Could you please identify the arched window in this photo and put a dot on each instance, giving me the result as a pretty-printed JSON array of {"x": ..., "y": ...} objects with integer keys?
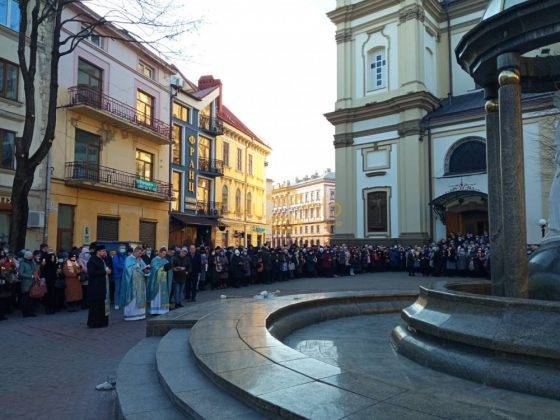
[
  {"x": 466, "y": 156},
  {"x": 249, "y": 203},
  {"x": 225, "y": 199},
  {"x": 238, "y": 201},
  {"x": 376, "y": 69}
]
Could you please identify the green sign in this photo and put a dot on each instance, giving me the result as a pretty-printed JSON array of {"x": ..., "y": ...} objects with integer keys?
[
  {"x": 142, "y": 184},
  {"x": 259, "y": 229}
]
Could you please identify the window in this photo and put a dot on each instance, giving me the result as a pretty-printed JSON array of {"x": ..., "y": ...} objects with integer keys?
[
  {"x": 147, "y": 233},
  {"x": 9, "y": 74},
  {"x": 332, "y": 228},
  {"x": 146, "y": 70},
  {"x": 144, "y": 165},
  {"x": 238, "y": 201},
  {"x": 203, "y": 148},
  {"x": 377, "y": 213},
  {"x": 180, "y": 112},
  {"x": 144, "y": 108},
  {"x": 332, "y": 194},
  {"x": 312, "y": 229},
  {"x": 225, "y": 199},
  {"x": 466, "y": 156},
  {"x": 249, "y": 203},
  {"x": 7, "y": 149},
  {"x": 86, "y": 148},
  {"x": 225, "y": 153},
  {"x": 92, "y": 37},
  {"x": 176, "y": 181},
  {"x": 89, "y": 75},
  {"x": 177, "y": 144},
  {"x": 250, "y": 164},
  {"x": 306, "y": 229},
  {"x": 377, "y": 70},
  {"x": 65, "y": 227},
  {"x": 9, "y": 14},
  {"x": 203, "y": 190},
  {"x": 239, "y": 159}
]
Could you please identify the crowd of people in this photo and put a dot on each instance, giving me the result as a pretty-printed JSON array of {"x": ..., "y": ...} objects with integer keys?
[{"x": 143, "y": 283}]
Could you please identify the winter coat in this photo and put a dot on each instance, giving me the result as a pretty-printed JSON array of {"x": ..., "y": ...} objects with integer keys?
[
  {"x": 97, "y": 279},
  {"x": 26, "y": 272}
]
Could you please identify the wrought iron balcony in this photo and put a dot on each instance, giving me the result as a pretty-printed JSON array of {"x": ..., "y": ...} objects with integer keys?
[
  {"x": 118, "y": 112},
  {"x": 208, "y": 208},
  {"x": 211, "y": 166},
  {"x": 92, "y": 176},
  {"x": 211, "y": 125}
]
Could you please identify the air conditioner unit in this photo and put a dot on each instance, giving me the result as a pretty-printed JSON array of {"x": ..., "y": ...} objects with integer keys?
[
  {"x": 176, "y": 81},
  {"x": 36, "y": 219}
]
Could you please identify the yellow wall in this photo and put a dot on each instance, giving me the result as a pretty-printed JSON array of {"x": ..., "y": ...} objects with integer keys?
[{"x": 246, "y": 221}]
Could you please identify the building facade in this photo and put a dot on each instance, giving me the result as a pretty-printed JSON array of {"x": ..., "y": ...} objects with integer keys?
[
  {"x": 410, "y": 129},
  {"x": 241, "y": 191},
  {"x": 304, "y": 211},
  {"x": 110, "y": 157},
  {"x": 12, "y": 117}
]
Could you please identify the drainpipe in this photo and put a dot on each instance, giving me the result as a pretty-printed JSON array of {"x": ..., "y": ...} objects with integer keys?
[{"x": 47, "y": 197}]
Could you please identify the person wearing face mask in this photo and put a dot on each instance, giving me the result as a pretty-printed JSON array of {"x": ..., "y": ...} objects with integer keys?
[
  {"x": 118, "y": 268},
  {"x": 71, "y": 271},
  {"x": 159, "y": 284}
]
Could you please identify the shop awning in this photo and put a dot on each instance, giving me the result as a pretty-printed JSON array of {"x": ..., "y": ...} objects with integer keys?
[{"x": 187, "y": 219}]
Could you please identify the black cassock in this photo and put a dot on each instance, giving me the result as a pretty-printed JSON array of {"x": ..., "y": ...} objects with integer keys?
[{"x": 97, "y": 293}]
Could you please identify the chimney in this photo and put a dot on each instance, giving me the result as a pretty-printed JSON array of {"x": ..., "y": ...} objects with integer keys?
[{"x": 206, "y": 82}]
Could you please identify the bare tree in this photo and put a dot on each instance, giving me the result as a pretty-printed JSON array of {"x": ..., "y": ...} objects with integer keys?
[{"x": 43, "y": 25}]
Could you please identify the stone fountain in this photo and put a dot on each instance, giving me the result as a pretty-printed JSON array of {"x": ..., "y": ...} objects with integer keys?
[{"x": 504, "y": 333}]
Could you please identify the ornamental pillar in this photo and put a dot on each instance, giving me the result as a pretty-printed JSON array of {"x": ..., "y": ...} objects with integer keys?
[{"x": 513, "y": 178}]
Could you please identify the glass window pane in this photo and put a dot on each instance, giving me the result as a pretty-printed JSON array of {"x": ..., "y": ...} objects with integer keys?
[
  {"x": 11, "y": 81},
  {"x": 7, "y": 151},
  {"x": 14, "y": 15},
  {"x": 2, "y": 71},
  {"x": 4, "y": 12}
]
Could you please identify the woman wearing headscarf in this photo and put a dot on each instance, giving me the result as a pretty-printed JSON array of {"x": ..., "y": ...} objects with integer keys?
[
  {"x": 98, "y": 289},
  {"x": 71, "y": 271},
  {"x": 159, "y": 284},
  {"x": 50, "y": 272},
  {"x": 26, "y": 272},
  {"x": 83, "y": 259}
]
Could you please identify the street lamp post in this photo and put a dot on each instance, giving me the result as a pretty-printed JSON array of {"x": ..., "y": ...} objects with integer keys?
[{"x": 543, "y": 224}]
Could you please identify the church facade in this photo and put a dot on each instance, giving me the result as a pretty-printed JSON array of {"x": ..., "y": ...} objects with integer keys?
[{"x": 410, "y": 126}]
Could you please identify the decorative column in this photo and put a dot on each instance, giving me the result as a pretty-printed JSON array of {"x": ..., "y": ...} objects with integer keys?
[
  {"x": 494, "y": 170},
  {"x": 513, "y": 178}
]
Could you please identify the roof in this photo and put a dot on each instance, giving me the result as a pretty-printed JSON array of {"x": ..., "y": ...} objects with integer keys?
[
  {"x": 200, "y": 94},
  {"x": 226, "y": 115}
]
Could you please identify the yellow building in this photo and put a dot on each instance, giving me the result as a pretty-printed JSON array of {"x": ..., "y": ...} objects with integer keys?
[
  {"x": 242, "y": 188},
  {"x": 110, "y": 158}
]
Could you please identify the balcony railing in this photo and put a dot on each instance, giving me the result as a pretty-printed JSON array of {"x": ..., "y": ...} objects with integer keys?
[
  {"x": 84, "y": 95},
  {"x": 111, "y": 179},
  {"x": 211, "y": 125},
  {"x": 211, "y": 166},
  {"x": 208, "y": 208}
]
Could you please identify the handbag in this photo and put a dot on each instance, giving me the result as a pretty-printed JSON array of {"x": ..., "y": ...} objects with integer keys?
[{"x": 38, "y": 288}]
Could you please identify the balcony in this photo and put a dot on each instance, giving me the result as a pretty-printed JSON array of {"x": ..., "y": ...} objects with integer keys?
[
  {"x": 96, "y": 177},
  {"x": 208, "y": 208},
  {"x": 95, "y": 104},
  {"x": 211, "y": 166},
  {"x": 211, "y": 125}
]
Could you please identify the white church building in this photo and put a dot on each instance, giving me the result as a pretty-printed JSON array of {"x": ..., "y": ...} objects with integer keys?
[{"x": 410, "y": 126}]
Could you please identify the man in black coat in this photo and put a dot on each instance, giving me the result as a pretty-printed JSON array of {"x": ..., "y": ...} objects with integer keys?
[
  {"x": 98, "y": 297},
  {"x": 194, "y": 274}
]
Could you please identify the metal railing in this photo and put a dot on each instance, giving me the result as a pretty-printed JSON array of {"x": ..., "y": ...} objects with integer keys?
[
  {"x": 208, "y": 208},
  {"x": 211, "y": 125},
  {"x": 211, "y": 166},
  {"x": 89, "y": 172},
  {"x": 84, "y": 95}
]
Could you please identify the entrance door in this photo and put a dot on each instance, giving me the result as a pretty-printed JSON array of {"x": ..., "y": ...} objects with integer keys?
[{"x": 65, "y": 228}]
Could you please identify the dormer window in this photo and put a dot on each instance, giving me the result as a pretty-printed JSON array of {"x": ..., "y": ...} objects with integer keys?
[{"x": 377, "y": 69}]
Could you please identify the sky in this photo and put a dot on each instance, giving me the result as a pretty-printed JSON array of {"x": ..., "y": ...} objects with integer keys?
[{"x": 277, "y": 62}]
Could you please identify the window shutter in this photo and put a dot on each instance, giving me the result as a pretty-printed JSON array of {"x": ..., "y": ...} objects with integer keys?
[
  {"x": 148, "y": 233},
  {"x": 107, "y": 229}
]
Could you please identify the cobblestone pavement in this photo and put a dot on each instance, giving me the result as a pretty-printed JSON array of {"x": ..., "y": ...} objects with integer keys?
[{"x": 50, "y": 364}]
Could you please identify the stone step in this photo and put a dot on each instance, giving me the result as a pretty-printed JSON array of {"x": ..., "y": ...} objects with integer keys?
[
  {"x": 139, "y": 393},
  {"x": 189, "y": 389}
]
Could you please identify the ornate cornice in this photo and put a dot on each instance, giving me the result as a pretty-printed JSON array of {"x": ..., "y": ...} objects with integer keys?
[
  {"x": 343, "y": 35},
  {"x": 343, "y": 140},
  {"x": 465, "y": 7},
  {"x": 412, "y": 12},
  {"x": 422, "y": 100},
  {"x": 360, "y": 9},
  {"x": 409, "y": 128}
]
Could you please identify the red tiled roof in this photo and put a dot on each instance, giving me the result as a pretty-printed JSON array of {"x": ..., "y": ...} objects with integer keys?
[{"x": 226, "y": 115}]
